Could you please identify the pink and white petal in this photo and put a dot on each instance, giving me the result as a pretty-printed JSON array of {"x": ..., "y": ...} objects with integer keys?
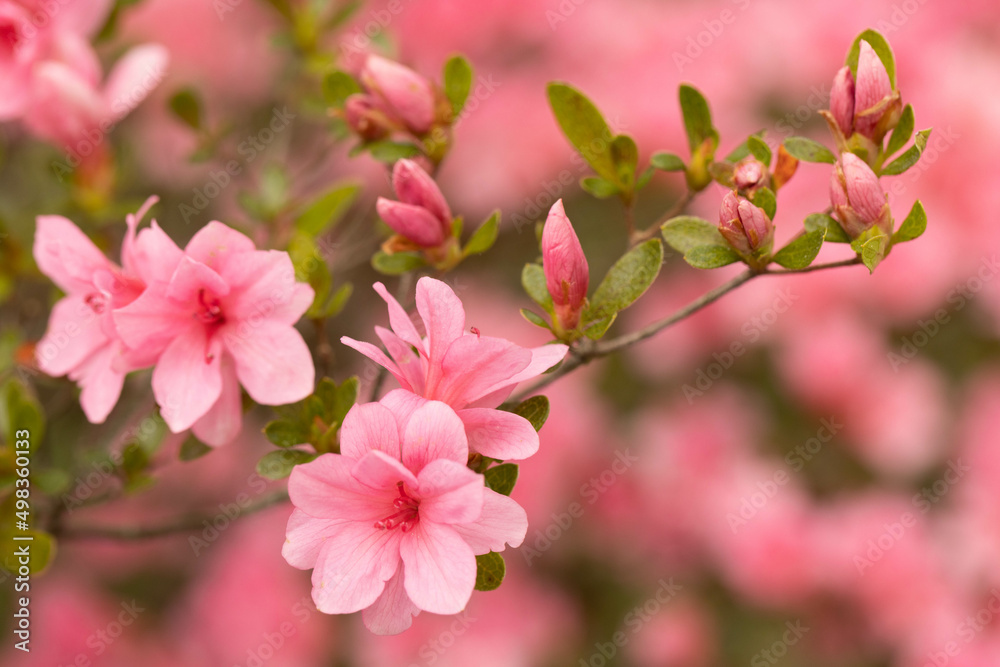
[
  {"x": 101, "y": 384},
  {"x": 353, "y": 565},
  {"x": 155, "y": 255},
  {"x": 440, "y": 568},
  {"x": 392, "y": 612},
  {"x": 152, "y": 321},
  {"x": 449, "y": 492},
  {"x": 376, "y": 355},
  {"x": 369, "y": 427},
  {"x": 304, "y": 537},
  {"x": 74, "y": 333},
  {"x": 187, "y": 380},
  {"x": 66, "y": 255},
  {"x": 444, "y": 319},
  {"x": 474, "y": 366},
  {"x": 499, "y": 434},
  {"x": 223, "y": 422},
  {"x": 133, "y": 77},
  {"x": 215, "y": 243},
  {"x": 399, "y": 320},
  {"x": 272, "y": 361},
  {"x": 403, "y": 404},
  {"x": 325, "y": 488},
  {"x": 502, "y": 522},
  {"x": 434, "y": 432},
  {"x": 262, "y": 284},
  {"x": 378, "y": 471},
  {"x": 191, "y": 279},
  {"x": 412, "y": 366}
]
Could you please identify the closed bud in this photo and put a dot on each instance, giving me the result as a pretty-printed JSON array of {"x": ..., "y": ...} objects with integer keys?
[
  {"x": 401, "y": 92},
  {"x": 842, "y": 101},
  {"x": 567, "y": 275},
  {"x": 749, "y": 173},
  {"x": 857, "y": 197},
  {"x": 422, "y": 214},
  {"x": 865, "y": 104},
  {"x": 365, "y": 118},
  {"x": 745, "y": 226}
]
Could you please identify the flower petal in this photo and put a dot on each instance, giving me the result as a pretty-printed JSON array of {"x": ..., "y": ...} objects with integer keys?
[
  {"x": 66, "y": 255},
  {"x": 403, "y": 404},
  {"x": 326, "y": 489},
  {"x": 369, "y": 427},
  {"x": 413, "y": 222},
  {"x": 542, "y": 359},
  {"x": 400, "y": 322},
  {"x": 216, "y": 243},
  {"x": 353, "y": 566},
  {"x": 224, "y": 420},
  {"x": 502, "y": 521},
  {"x": 392, "y": 612},
  {"x": 449, "y": 492},
  {"x": 74, "y": 333},
  {"x": 499, "y": 434},
  {"x": 376, "y": 355},
  {"x": 190, "y": 279},
  {"x": 133, "y": 77},
  {"x": 263, "y": 284},
  {"x": 411, "y": 366},
  {"x": 304, "y": 537},
  {"x": 379, "y": 471},
  {"x": 444, "y": 320},
  {"x": 475, "y": 366},
  {"x": 434, "y": 432},
  {"x": 152, "y": 321},
  {"x": 272, "y": 361},
  {"x": 440, "y": 568},
  {"x": 101, "y": 383},
  {"x": 154, "y": 255},
  {"x": 187, "y": 380}
]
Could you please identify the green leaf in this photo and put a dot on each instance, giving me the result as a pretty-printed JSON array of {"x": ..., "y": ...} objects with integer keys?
[
  {"x": 882, "y": 49},
  {"x": 801, "y": 252},
  {"x": 327, "y": 209},
  {"x": 186, "y": 105},
  {"x": 484, "y": 237},
  {"x": 665, "y": 161},
  {"x": 808, "y": 150},
  {"x": 396, "y": 263},
  {"x": 644, "y": 178},
  {"x": 584, "y": 127},
  {"x": 872, "y": 249},
  {"x": 533, "y": 281},
  {"x": 391, "y": 151},
  {"x": 338, "y": 86},
  {"x": 41, "y": 549},
  {"x": 910, "y": 157},
  {"x": 501, "y": 478},
  {"x": 490, "y": 571},
  {"x": 279, "y": 464},
  {"x": 599, "y": 187},
  {"x": 626, "y": 156},
  {"x": 596, "y": 330},
  {"x": 759, "y": 148},
  {"x": 913, "y": 226},
  {"x": 535, "y": 318},
  {"x": 697, "y": 117},
  {"x": 286, "y": 433},
  {"x": 765, "y": 199},
  {"x": 534, "y": 409},
  {"x": 687, "y": 232},
  {"x": 834, "y": 232},
  {"x": 135, "y": 463},
  {"x": 457, "y": 82},
  {"x": 343, "y": 399},
  {"x": 193, "y": 448},
  {"x": 336, "y": 303},
  {"x": 711, "y": 256},
  {"x": 627, "y": 280},
  {"x": 22, "y": 413},
  {"x": 903, "y": 131}
]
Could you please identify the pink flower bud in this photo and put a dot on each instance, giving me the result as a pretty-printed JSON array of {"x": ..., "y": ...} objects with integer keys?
[
  {"x": 842, "y": 100},
  {"x": 746, "y": 227},
  {"x": 749, "y": 173},
  {"x": 404, "y": 93},
  {"x": 857, "y": 197},
  {"x": 414, "y": 186},
  {"x": 567, "y": 275},
  {"x": 367, "y": 120},
  {"x": 421, "y": 214},
  {"x": 871, "y": 92}
]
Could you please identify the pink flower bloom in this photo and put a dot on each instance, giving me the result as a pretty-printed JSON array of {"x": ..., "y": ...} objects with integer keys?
[
  {"x": 421, "y": 214},
  {"x": 857, "y": 197},
  {"x": 469, "y": 372},
  {"x": 393, "y": 523},
  {"x": 217, "y": 316},
  {"x": 567, "y": 275},
  {"x": 400, "y": 92},
  {"x": 81, "y": 340},
  {"x": 746, "y": 227}
]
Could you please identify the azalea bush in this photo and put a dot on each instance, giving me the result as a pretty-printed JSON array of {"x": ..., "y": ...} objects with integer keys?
[{"x": 292, "y": 364}]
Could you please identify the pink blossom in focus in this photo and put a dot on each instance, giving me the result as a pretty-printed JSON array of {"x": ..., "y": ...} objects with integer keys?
[
  {"x": 566, "y": 273},
  {"x": 393, "y": 523},
  {"x": 470, "y": 372},
  {"x": 421, "y": 214}
]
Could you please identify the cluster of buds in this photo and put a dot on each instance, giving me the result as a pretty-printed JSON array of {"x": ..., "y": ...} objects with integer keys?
[
  {"x": 858, "y": 201},
  {"x": 866, "y": 108},
  {"x": 746, "y": 228},
  {"x": 421, "y": 218},
  {"x": 567, "y": 275}
]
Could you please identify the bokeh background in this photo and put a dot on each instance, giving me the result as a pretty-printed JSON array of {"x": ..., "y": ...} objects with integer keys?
[{"x": 828, "y": 497}]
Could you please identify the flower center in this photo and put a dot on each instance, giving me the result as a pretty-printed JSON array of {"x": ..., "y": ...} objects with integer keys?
[
  {"x": 406, "y": 517},
  {"x": 210, "y": 309},
  {"x": 96, "y": 301}
]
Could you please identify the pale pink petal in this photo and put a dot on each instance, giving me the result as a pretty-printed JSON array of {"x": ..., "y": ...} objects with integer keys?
[
  {"x": 410, "y": 365},
  {"x": 133, "y": 77},
  {"x": 369, "y": 427},
  {"x": 304, "y": 538},
  {"x": 73, "y": 334},
  {"x": 130, "y": 261},
  {"x": 378, "y": 471},
  {"x": 262, "y": 285},
  {"x": 83, "y": 16},
  {"x": 272, "y": 361},
  {"x": 353, "y": 566},
  {"x": 449, "y": 492},
  {"x": 542, "y": 359},
  {"x": 223, "y": 422},
  {"x": 193, "y": 280},
  {"x": 326, "y": 489},
  {"x": 400, "y": 322},
  {"x": 376, "y": 355},
  {"x": 75, "y": 51},
  {"x": 154, "y": 255},
  {"x": 101, "y": 384},
  {"x": 187, "y": 380},
  {"x": 403, "y": 404},
  {"x": 501, "y": 522},
  {"x": 475, "y": 366},
  {"x": 434, "y": 432},
  {"x": 152, "y": 321},
  {"x": 499, "y": 434},
  {"x": 440, "y": 568},
  {"x": 65, "y": 254},
  {"x": 65, "y": 108},
  {"x": 392, "y": 612},
  {"x": 215, "y": 243},
  {"x": 444, "y": 319}
]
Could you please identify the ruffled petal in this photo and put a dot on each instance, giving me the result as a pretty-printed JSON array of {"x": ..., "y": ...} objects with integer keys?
[
  {"x": 501, "y": 522},
  {"x": 499, "y": 434}
]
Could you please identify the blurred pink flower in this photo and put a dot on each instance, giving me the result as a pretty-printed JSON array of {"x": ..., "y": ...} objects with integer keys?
[
  {"x": 405, "y": 473},
  {"x": 421, "y": 214},
  {"x": 469, "y": 372},
  {"x": 217, "y": 316},
  {"x": 566, "y": 273}
]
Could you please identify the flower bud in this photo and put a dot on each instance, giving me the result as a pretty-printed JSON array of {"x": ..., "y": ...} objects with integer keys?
[
  {"x": 567, "y": 275},
  {"x": 857, "y": 197},
  {"x": 746, "y": 227},
  {"x": 367, "y": 120},
  {"x": 749, "y": 173},
  {"x": 403, "y": 93},
  {"x": 421, "y": 215},
  {"x": 876, "y": 106},
  {"x": 842, "y": 100}
]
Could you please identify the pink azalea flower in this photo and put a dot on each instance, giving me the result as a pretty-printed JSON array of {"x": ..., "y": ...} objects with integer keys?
[
  {"x": 393, "y": 523},
  {"x": 471, "y": 373},
  {"x": 81, "y": 340},
  {"x": 217, "y": 316}
]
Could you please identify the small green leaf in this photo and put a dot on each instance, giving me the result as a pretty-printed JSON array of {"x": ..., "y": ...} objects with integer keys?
[
  {"x": 535, "y": 318},
  {"x": 134, "y": 466},
  {"x": 22, "y": 413},
  {"x": 665, "y": 161},
  {"x": 584, "y": 127},
  {"x": 626, "y": 280},
  {"x": 490, "y": 571},
  {"x": 834, "y": 232},
  {"x": 808, "y": 150},
  {"x": 913, "y": 226},
  {"x": 392, "y": 151},
  {"x": 644, "y": 177},
  {"x": 697, "y": 117},
  {"x": 599, "y": 187},
  {"x": 686, "y": 232},
  {"x": 484, "y": 237},
  {"x": 626, "y": 156},
  {"x": 903, "y": 131},
  {"x": 186, "y": 105},
  {"x": 765, "y": 199},
  {"x": 336, "y": 303},
  {"x": 711, "y": 256},
  {"x": 338, "y": 86},
  {"x": 501, "y": 478},
  {"x": 327, "y": 209},
  {"x": 801, "y": 252},
  {"x": 457, "y": 82},
  {"x": 41, "y": 549},
  {"x": 910, "y": 157},
  {"x": 871, "y": 248},
  {"x": 193, "y": 448},
  {"x": 534, "y": 409},
  {"x": 279, "y": 464},
  {"x": 882, "y": 49},
  {"x": 396, "y": 263},
  {"x": 760, "y": 150},
  {"x": 533, "y": 281},
  {"x": 596, "y": 330},
  {"x": 286, "y": 433},
  {"x": 343, "y": 399}
]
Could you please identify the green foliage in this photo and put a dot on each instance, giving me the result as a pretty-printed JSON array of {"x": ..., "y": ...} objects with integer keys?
[
  {"x": 193, "y": 448},
  {"x": 808, "y": 150},
  {"x": 338, "y": 86},
  {"x": 834, "y": 232},
  {"x": 697, "y": 117},
  {"x": 457, "y": 79},
  {"x": 910, "y": 157},
  {"x": 533, "y": 282},
  {"x": 903, "y": 131},
  {"x": 327, "y": 210},
  {"x": 490, "y": 571},
  {"x": 502, "y": 478},
  {"x": 626, "y": 281},
  {"x": 534, "y": 409},
  {"x": 765, "y": 199},
  {"x": 759, "y": 148},
  {"x": 711, "y": 256},
  {"x": 913, "y": 226},
  {"x": 484, "y": 237},
  {"x": 396, "y": 263},
  {"x": 585, "y": 128},
  {"x": 665, "y": 161},
  {"x": 687, "y": 232},
  {"x": 279, "y": 464},
  {"x": 186, "y": 106},
  {"x": 882, "y": 49},
  {"x": 801, "y": 252}
]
